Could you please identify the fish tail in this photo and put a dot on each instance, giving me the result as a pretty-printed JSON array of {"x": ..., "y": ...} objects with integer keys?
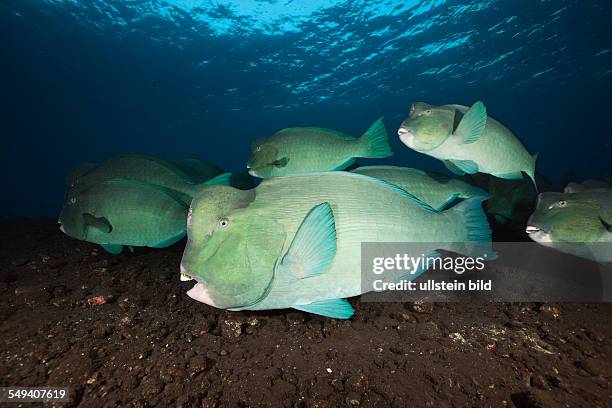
[
  {"x": 477, "y": 232},
  {"x": 375, "y": 141},
  {"x": 531, "y": 171},
  {"x": 193, "y": 190}
]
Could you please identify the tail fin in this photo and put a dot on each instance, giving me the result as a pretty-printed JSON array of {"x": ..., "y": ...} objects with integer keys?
[
  {"x": 220, "y": 180},
  {"x": 376, "y": 141},
  {"x": 531, "y": 172},
  {"x": 477, "y": 239}
]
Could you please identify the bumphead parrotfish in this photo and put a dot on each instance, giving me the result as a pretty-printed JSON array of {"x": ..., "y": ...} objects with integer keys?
[
  {"x": 435, "y": 189},
  {"x": 148, "y": 169},
  {"x": 576, "y": 223},
  {"x": 114, "y": 213},
  {"x": 466, "y": 140},
  {"x": 295, "y": 242},
  {"x": 309, "y": 149}
]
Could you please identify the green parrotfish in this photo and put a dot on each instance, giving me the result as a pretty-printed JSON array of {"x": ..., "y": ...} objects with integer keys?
[
  {"x": 295, "y": 242},
  {"x": 302, "y": 150},
  {"x": 148, "y": 169},
  {"x": 117, "y": 213},
  {"x": 576, "y": 223},
  {"x": 466, "y": 140},
  {"x": 435, "y": 189},
  {"x": 510, "y": 201}
]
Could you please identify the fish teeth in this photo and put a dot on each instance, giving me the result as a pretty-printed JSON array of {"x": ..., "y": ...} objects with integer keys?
[
  {"x": 185, "y": 277},
  {"x": 531, "y": 229}
]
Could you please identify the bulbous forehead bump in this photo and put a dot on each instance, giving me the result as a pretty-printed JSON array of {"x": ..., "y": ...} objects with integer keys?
[
  {"x": 214, "y": 201},
  {"x": 419, "y": 107},
  {"x": 548, "y": 198}
]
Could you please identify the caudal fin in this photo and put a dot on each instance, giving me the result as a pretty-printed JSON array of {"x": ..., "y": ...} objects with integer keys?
[
  {"x": 223, "y": 179},
  {"x": 376, "y": 141},
  {"x": 477, "y": 238},
  {"x": 531, "y": 172}
]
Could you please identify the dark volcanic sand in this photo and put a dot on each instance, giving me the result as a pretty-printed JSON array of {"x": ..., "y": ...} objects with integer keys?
[{"x": 151, "y": 345}]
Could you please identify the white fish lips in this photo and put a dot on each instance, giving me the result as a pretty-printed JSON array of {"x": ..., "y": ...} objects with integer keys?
[
  {"x": 200, "y": 293},
  {"x": 406, "y": 136}
]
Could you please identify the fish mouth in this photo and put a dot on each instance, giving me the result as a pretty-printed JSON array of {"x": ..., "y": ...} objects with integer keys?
[
  {"x": 532, "y": 229},
  {"x": 200, "y": 294},
  {"x": 185, "y": 276},
  {"x": 406, "y": 136},
  {"x": 538, "y": 234}
]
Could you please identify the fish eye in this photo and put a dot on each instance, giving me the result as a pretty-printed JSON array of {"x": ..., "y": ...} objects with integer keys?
[
  {"x": 73, "y": 200},
  {"x": 428, "y": 111},
  {"x": 223, "y": 223},
  {"x": 558, "y": 204},
  {"x": 258, "y": 149}
]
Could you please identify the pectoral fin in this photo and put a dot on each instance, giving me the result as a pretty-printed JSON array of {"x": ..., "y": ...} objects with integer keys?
[
  {"x": 513, "y": 175},
  {"x": 456, "y": 170},
  {"x": 314, "y": 245},
  {"x": 281, "y": 162},
  {"x": 473, "y": 123},
  {"x": 450, "y": 201},
  {"x": 221, "y": 180},
  {"x": 112, "y": 248},
  {"x": 100, "y": 223},
  {"x": 335, "y": 308},
  {"x": 466, "y": 166}
]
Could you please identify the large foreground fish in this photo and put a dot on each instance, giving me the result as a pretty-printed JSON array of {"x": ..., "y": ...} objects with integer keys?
[
  {"x": 295, "y": 242},
  {"x": 309, "y": 149},
  {"x": 114, "y": 213},
  {"x": 577, "y": 223},
  {"x": 435, "y": 189},
  {"x": 466, "y": 140}
]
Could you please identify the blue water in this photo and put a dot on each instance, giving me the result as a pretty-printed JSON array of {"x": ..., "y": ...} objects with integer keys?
[{"x": 86, "y": 80}]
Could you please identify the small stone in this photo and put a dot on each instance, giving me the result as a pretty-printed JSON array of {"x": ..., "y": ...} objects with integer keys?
[
  {"x": 422, "y": 307},
  {"x": 231, "y": 328},
  {"x": 99, "y": 300},
  {"x": 552, "y": 310},
  {"x": 457, "y": 338}
]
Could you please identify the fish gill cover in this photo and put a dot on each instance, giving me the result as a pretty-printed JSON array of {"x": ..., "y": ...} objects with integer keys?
[{"x": 86, "y": 80}]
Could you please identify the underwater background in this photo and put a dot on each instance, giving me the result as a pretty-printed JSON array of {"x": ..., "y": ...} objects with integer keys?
[{"x": 87, "y": 80}]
